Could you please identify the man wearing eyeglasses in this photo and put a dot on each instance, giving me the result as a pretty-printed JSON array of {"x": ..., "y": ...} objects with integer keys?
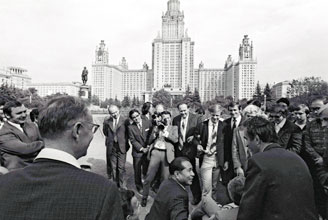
[
  {"x": 55, "y": 186},
  {"x": 139, "y": 132},
  {"x": 116, "y": 132}
]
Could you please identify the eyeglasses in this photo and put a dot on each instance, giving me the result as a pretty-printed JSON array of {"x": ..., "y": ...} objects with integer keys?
[{"x": 94, "y": 126}]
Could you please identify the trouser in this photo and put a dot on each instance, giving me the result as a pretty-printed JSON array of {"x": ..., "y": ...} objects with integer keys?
[
  {"x": 209, "y": 173},
  {"x": 157, "y": 160},
  {"x": 140, "y": 166},
  {"x": 118, "y": 160},
  {"x": 109, "y": 151}
]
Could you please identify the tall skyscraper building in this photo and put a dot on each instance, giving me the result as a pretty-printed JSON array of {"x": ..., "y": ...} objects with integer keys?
[
  {"x": 106, "y": 79},
  {"x": 172, "y": 52}
]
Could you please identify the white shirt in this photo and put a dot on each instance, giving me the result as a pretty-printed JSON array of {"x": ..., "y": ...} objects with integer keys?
[
  {"x": 210, "y": 131},
  {"x": 238, "y": 120},
  {"x": 16, "y": 126},
  {"x": 184, "y": 131},
  {"x": 55, "y": 154},
  {"x": 280, "y": 125}
]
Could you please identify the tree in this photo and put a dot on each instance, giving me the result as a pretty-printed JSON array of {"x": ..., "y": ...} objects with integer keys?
[
  {"x": 268, "y": 92},
  {"x": 126, "y": 102},
  {"x": 303, "y": 90},
  {"x": 196, "y": 99},
  {"x": 258, "y": 90},
  {"x": 163, "y": 97},
  {"x": 95, "y": 100}
]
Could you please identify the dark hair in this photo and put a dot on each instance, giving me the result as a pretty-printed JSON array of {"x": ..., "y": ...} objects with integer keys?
[
  {"x": 283, "y": 100},
  {"x": 126, "y": 197},
  {"x": 319, "y": 98},
  {"x": 2, "y": 101},
  {"x": 56, "y": 115},
  {"x": 183, "y": 103},
  {"x": 165, "y": 113},
  {"x": 133, "y": 111},
  {"x": 236, "y": 188},
  {"x": 9, "y": 105},
  {"x": 261, "y": 127},
  {"x": 233, "y": 104},
  {"x": 34, "y": 114},
  {"x": 176, "y": 164},
  {"x": 200, "y": 111},
  {"x": 145, "y": 108},
  {"x": 304, "y": 107}
]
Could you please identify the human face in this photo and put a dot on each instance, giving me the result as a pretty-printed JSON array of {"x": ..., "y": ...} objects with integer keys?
[
  {"x": 315, "y": 106},
  {"x": 2, "y": 116},
  {"x": 324, "y": 118},
  {"x": 186, "y": 175},
  {"x": 166, "y": 119},
  {"x": 114, "y": 112},
  {"x": 136, "y": 117},
  {"x": 252, "y": 144},
  {"x": 18, "y": 115},
  {"x": 234, "y": 111},
  {"x": 215, "y": 116},
  {"x": 283, "y": 105},
  {"x": 184, "y": 110},
  {"x": 276, "y": 117},
  {"x": 86, "y": 129},
  {"x": 300, "y": 116},
  {"x": 159, "y": 109},
  {"x": 250, "y": 114}
]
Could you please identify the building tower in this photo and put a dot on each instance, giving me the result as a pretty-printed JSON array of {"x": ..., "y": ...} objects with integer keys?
[
  {"x": 244, "y": 77},
  {"x": 173, "y": 52}
]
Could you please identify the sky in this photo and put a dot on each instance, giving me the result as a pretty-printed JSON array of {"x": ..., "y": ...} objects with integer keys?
[{"x": 54, "y": 40}]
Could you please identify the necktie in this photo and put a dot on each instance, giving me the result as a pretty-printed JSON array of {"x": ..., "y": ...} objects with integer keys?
[
  {"x": 214, "y": 134},
  {"x": 139, "y": 126},
  {"x": 234, "y": 123},
  {"x": 114, "y": 124}
]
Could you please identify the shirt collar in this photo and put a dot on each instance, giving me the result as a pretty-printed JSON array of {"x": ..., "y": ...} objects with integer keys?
[
  {"x": 55, "y": 154},
  {"x": 16, "y": 126},
  {"x": 210, "y": 123},
  {"x": 282, "y": 123}
]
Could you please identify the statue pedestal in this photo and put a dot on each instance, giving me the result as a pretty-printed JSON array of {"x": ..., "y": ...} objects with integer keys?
[{"x": 85, "y": 92}]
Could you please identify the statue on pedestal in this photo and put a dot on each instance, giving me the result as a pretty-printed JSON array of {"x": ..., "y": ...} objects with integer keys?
[{"x": 84, "y": 76}]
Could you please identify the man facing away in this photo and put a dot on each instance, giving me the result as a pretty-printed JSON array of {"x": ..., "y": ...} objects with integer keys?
[
  {"x": 278, "y": 182},
  {"x": 171, "y": 201},
  {"x": 20, "y": 141},
  {"x": 55, "y": 186},
  {"x": 115, "y": 128}
]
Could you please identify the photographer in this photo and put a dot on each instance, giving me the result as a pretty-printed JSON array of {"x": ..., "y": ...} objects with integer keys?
[{"x": 161, "y": 152}]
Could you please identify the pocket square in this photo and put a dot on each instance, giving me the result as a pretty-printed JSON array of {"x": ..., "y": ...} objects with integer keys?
[{"x": 147, "y": 129}]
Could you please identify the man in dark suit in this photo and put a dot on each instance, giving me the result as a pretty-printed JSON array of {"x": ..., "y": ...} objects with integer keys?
[
  {"x": 115, "y": 128},
  {"x": 187, "y": 124},
  {"x": 171, "y": 201},
  {"x": 54, "y": 186},
  {"x": 20, "y": 141},
  {"x": 161, "y": 152},
  {"x": 211, "y": 150},
  {"x": 278, "y": 183},
  {"x": 139, "y": 133},
  {"x": 289, "y": 134},
  {"x": 230, "y": 125}
]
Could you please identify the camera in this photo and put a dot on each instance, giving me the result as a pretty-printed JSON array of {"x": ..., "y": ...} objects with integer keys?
[{"x": 160, "y": 126}]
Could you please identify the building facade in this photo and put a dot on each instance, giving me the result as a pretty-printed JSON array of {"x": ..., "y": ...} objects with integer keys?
[
  {"x": 172, "y": 51},
  {"x": 281, "y": 89},
  {"x": 15, "y": 77},
  {"x": 45, "y": 89}
]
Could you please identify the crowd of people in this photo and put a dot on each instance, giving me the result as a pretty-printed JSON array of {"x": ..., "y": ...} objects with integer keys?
[{"x": 250, "y": 164}]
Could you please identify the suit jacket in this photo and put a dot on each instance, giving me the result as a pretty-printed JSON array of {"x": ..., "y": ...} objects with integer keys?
[
  {"x": 278, "y": 186},
  {"x": 50, "y": 189},
  {"x": 121, "y": 133},
  {"x": 18, "y": 149},
  {"x": 239, "y": 148},
  {"x": 189, "y": 149},
  {"x": 290, "y": 137},
  {"x": 171, "y": 202},
  {"x": 169, "y": 142},
  {"x": 203, "y": 138},
  {"x": 139, "y": 139},
  {"x": 228, "y": 135}
]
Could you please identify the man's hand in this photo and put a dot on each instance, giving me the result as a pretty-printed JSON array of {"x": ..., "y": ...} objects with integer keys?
[
  {"x": 240, "y": 171},
  {"x": 189, "y": 139},
  {"x": 319, "y": 161},
  {"x": 225, "y": 166},
  {"x": 144, "y": 149},
  {"x": 200, "y": 148}
]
